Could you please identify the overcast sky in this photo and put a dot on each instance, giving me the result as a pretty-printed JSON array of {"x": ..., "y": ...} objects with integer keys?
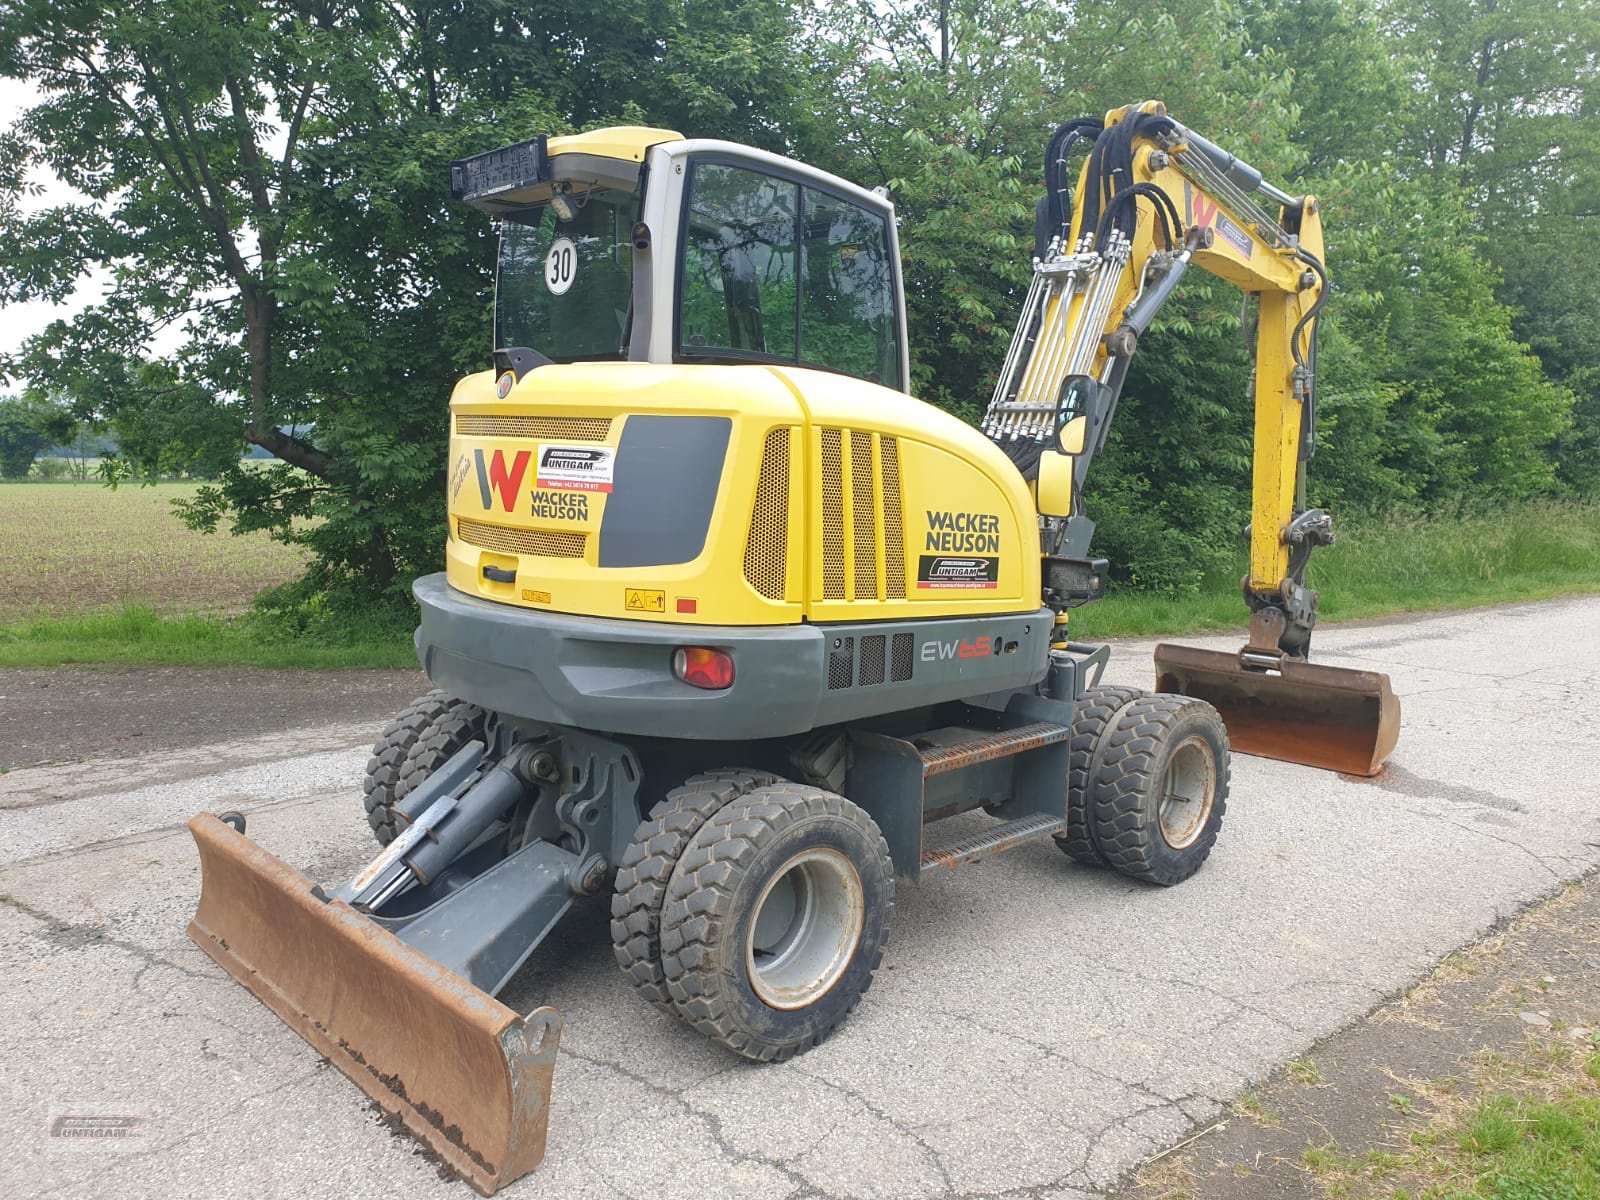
[{"x": 18, "y": 321}]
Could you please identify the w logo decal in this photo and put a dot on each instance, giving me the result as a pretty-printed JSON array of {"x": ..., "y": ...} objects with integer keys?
[{"x": 493, "y": 478}]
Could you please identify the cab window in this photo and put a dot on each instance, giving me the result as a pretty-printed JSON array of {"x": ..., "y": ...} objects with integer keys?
[{"x": 775, "y": 271}]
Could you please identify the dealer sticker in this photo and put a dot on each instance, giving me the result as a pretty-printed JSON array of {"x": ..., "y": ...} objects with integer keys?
[
  {"x": 575, "y": 468},
  {"x": 957, "y": 571}
]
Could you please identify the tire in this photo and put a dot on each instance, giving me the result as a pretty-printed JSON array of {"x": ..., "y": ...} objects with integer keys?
[
  {"x": 816, "y": 871},
  {"x": 1095, "y": 710},
  {"x": 1159, "y": 788},
  {"x": 647, "y": 865},
  {"x": 426, "y": 733}
]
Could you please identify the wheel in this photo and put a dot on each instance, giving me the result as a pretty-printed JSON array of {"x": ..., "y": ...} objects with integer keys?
[
  {"x": 647, "y": 866},
  {"x": 776, "y": 919},
  {"x": 1159, "y": 787},
  {"x": 1095, "y": 709},
  {"x": 412, "y": 746}
]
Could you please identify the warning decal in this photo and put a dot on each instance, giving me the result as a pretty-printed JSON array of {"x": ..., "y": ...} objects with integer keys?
[
  {"x": 646, "y": 600},
  {"x": 951, "y": 571},
  {"x": 575, "y": 468}
]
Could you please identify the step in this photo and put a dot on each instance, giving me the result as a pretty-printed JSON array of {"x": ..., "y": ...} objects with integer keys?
[
  {"x": 991, "y": 842},
  {"x": 951, "y": 749}
]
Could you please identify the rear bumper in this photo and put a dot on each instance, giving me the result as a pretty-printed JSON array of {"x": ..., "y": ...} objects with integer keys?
[{"x": 616, "y": 676}]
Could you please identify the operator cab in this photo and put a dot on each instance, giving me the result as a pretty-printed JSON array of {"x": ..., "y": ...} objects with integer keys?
[{"x": 635, "y": 244}]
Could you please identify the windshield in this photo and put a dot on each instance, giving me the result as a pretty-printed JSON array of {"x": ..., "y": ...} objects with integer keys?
[{"x": 564, "y": 287}]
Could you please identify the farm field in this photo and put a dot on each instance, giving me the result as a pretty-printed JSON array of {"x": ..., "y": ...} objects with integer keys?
[
  {"x": 68, "y": 549},
  {"x": 89, "y": 575}
]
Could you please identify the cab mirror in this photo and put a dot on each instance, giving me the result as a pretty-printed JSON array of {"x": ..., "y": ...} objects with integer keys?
[{"x": 1054, "y": 484}]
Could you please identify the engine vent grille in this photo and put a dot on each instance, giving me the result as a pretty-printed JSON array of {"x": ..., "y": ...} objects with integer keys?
[
  {"x": 894, "y": 543},
  {"x": 864, "y": 517},
  {"x": 877, "y": 527},
  {"x": 563, "y": 429},
  {"x": 900, "y": 660},
  {"x": 832, "y": 515},
  {"x": 766, "y": 561},
  {"x": 872, "y": 648},
  {"x": 542, "y": 543}
]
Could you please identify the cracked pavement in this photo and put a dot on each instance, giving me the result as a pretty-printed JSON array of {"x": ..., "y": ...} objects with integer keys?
[{"x": 1038, "y": 1028}]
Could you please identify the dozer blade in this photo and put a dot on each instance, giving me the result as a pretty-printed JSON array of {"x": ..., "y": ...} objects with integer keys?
[
  {"x": 466, "y": 1075},
  {"x": 1330, "y": 717}
]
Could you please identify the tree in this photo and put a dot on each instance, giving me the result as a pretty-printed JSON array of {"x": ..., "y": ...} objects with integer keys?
[
  {"x": 1508, "y": 110},
  {"x": 25, "y": 429},
  {"x": 272, "y": 178}
]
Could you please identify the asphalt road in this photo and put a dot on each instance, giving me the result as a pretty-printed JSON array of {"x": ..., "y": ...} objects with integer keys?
[{"x": 1038, "y": 1027}]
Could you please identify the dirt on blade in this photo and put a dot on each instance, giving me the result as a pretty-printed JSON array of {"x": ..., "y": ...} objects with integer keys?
[{"x": 70, "y": 713}]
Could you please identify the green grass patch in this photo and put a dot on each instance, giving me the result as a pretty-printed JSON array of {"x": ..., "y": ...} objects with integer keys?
[
  {"x": 145, "y": 590},
  {"x": 139, "y": 634},
  {"x": 1380, "y": 566},
  {"x": 1520, "y": 1148},
  {"x": 1531, "y": 1131}
]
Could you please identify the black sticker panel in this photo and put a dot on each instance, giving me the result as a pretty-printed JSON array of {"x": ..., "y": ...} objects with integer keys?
[{"x": 957, "y": 571}]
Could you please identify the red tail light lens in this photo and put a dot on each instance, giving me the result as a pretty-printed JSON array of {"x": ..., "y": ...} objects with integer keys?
[{"x": 702, "y": 667}]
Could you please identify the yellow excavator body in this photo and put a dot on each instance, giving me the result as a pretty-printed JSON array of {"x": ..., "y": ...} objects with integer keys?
[
  {"x": 696, "y": 517},
  {"x": 812, "y": 496}
]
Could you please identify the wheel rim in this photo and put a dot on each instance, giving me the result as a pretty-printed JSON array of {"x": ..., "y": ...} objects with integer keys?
[
  {"x": 807, "y": 923},
  {"x": 1188, "y": 792}
]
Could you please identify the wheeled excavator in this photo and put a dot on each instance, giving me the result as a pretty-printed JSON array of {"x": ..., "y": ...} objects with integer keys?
[{"x": 731, "y": 625}]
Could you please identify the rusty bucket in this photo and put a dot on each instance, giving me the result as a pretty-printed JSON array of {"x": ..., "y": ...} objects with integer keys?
[
  {"x": 466, "y": 1075},
  {"x": 1330, "y": 717}
]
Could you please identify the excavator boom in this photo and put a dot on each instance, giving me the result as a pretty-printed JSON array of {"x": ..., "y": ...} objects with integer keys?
[{"x": 1152, "y": 199}]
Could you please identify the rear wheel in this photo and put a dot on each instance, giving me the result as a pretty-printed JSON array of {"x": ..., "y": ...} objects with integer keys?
[
  {"x": 647, "y": 866},
  {"x": 776, "y": 919},
  {"x": 1159, "y": 788},
  {"x": 425, "y": 734},
  {"x": 1095, "y": 710}
]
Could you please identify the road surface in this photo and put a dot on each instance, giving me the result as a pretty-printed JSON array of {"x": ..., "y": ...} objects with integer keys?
[{"x": 1038, "y": 1027}]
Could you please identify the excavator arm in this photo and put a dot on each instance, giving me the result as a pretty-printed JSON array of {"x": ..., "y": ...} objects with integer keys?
[{"x": 1152, "y": 200}]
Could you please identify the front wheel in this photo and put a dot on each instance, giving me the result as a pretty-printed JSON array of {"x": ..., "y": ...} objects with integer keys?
[
  {"x": 776, "y": 919},
  {"x": 1159, "y": 787}
]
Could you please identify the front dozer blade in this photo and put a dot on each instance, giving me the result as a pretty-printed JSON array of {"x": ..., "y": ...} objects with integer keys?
[
  {"x": 1330, "y": 717},
  {"x": 466, "y": 1075}
]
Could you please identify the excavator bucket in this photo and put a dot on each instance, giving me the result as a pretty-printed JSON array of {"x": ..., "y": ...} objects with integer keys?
[
  {"x": 1330, "y": 717},
  {"x": 466, "y": 1075}
]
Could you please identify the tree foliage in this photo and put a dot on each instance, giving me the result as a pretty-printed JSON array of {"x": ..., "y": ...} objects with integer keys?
[
  {"x": 267, "y": 183},
  {"x": 28, "y": 424}
]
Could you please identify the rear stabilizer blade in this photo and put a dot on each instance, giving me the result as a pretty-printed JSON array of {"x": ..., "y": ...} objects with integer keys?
[
  {"x": 467, "y": 1076},
  {"x": 1335, "y": 718}
]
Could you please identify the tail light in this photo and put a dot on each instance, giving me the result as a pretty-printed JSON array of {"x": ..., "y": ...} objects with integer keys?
[{"x": 702, "y": 667}]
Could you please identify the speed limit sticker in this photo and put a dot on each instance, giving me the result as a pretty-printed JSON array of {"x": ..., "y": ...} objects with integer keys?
[{"x": 560, "y": 266}]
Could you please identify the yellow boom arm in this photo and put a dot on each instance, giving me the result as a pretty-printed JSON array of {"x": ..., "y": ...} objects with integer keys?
[
  {"x": 1172, "y": 200},
  {"x": 1152, "y": 198}
]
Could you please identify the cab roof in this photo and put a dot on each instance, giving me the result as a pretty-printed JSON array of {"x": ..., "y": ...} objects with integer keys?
[{"x": 627, "y": 142}]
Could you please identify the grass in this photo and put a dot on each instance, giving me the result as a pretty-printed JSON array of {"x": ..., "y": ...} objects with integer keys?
[
  {"x": 138, "y": 634},
  {"x": 1305, "y": 1072},
  {"x": 1534, "y": 550},
  {"x": 89, "y": 575},
  {"x": 1528, "y": 1130}
]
